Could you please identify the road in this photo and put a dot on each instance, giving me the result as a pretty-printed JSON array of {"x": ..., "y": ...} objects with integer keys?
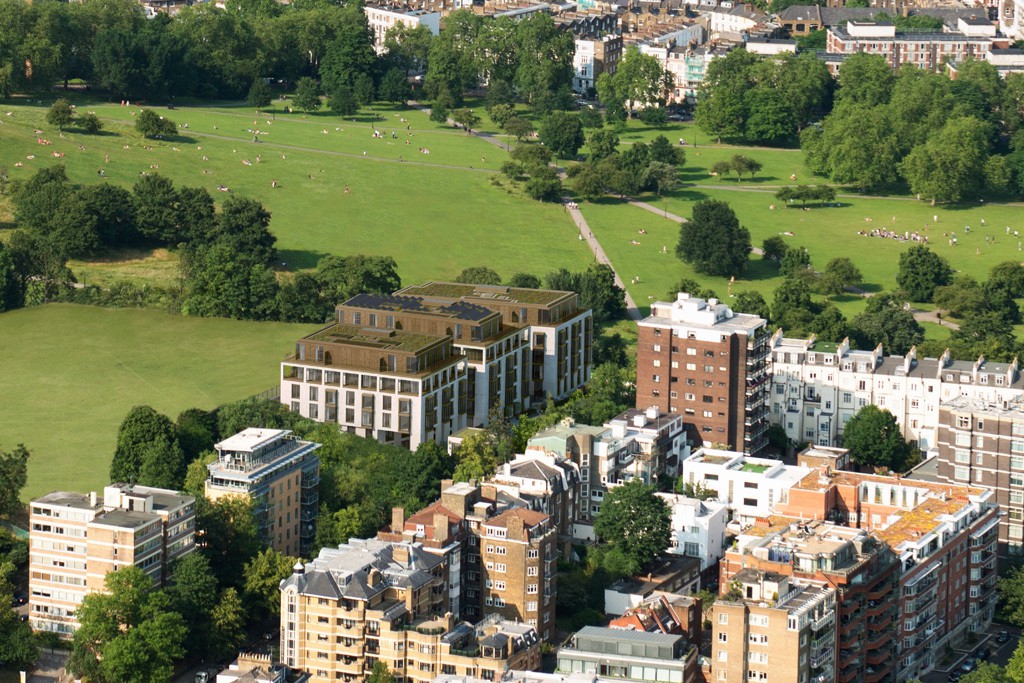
[{"x": 1000, "y": 653}]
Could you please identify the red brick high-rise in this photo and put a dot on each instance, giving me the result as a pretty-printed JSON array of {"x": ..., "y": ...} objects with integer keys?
[{"x": 701, "y": 359}]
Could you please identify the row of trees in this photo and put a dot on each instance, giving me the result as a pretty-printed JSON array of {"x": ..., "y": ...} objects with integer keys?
[
  {"x": 945, "y": 140},
  {"x": 768, "y": 100},
  {"x": 640, "y": 167}
]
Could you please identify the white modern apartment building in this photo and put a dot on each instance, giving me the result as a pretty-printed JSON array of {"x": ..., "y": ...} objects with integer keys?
[
  {"x": 76, "y": 539},
  {"x": 698, "y": 528},
  {"x": 382, "y": 18},
  {"x": 750, "y": 487},
  {"x": 817, "y": 387}
]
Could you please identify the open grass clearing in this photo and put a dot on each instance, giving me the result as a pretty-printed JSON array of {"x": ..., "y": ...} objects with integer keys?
[{"x": 71, "y": 373}]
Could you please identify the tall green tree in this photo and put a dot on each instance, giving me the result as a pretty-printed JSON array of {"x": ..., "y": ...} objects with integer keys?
[
  {"x": 227, "y": 625},
  {"x": 920, "y": 271},
  {"x": 260, "y": 94},
  {"x": 875, "y": 439},
  {"x": 946, "y": 167},
  {"x": 141, "y": 428},
  {"x": 885, "y": 321},
  {"x": 562, "y": 133},
  {"x": 636, "y": 522},
  {"x": 713, "y": 241},
  {"x": 307, "y": 95},
  {"x": 263, "y": 575},
  {"x": 13, "y": 475},
  {"x": 60, "y": 113}
]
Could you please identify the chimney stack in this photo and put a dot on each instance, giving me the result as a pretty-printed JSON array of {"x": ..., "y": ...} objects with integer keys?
[
  {"x": 440, "y": 527},
  {"x": 397, "y": 520},
  {"x": 92, "y": 499}
]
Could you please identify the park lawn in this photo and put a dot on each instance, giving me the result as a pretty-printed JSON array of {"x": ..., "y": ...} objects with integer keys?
[
  {"x": 828, "y": 233},
  {"x": 72, "y": 373},
  {"x": 138, "y": 266},
  {"x": 433, "y": 219}
]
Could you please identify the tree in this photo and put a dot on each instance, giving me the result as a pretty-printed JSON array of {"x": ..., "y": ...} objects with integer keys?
[
  {"x": 193, "y": 594},
  {"x": 226, "y": 283},
  {"x": 60, "y": 114},
  {"x": 875, "y": 440},
  {"x": 753, "y": 303},
  {"x": 609, "y": 392},
  {"x": 562, "y": 133},
  {"x": 343, "y": 102},
  {"x": 636, "y": 522},
  {"x": 721, "y": 169},
  {"x": 162, "y": 465},
  {"x": 501, "y": 113},
  {"x": 465, "y": 118},
  {"x": 141, "y": 427},
  {"x": 479, "y": 275},
  {"x": 260, "y": 94},
  {"x": 252, "y": 412},
  {"x": 1011, "y": 590},
  {"x": 394, "y": 87},
  {"x": 1008, "y": 275},
  {"x": 13, "y": 475},
  {"x": 129, "y": 633},
  {"x": 518, "y": 127},
  {"x": 156, "y": 215},
  {"x": 795, "y": 262},
  {"x": 597, "y": 289},
  {"x": 865, "y": 79},
  {"x": 300, "y": 300},
  {"x": 602, "y": 143},
  {"x": 230, "y": 536},
  {"x": 885, "y": 321},
  {"x": 151, "y": 125},
  {"x": 743, "y": 164},
  {"x": 543, "y": 185},
  {"x": 713, "y": 241},
  {"x": 263, "y": 576},
  {"x": 947, "y": 167},
  {"x": 380, "y": 673},
  {"x": 90, "y": 123},
  {"x": 244, "y": 225},
  {"x": 839, "y": 274},
  {"x": 196, "y": 432},
  {"x": 920, "y": 271},
  {"x": 590, "y": 117},
  {"x": 342, "y": 277},
  {"x": 113, "y": 209},
  {"x": 773, "y": 249},
  {"x": 664, "y": 177},
  {"x": 18, "y": 648},
  {"x": 227, "y": 625},
  {"x": 524, "y": 281},
  {"x": 477, "y": 458},
  {"x": 197, "y": 473},
  {"x": 722, "y": 108},
  {"x": 307, "y": 95},
  {"x": 362, "y": 87}
]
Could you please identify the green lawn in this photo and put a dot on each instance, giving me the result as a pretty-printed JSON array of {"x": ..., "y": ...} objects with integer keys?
[
  {"x": 71, "y": 373},
  {"x": 434, "y": 213}
]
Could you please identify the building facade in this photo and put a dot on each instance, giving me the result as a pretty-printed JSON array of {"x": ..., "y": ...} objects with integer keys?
[
  {"x": 280, "y": 475},
  {"x": 629, "y": 655},
  {"x": 372, "y": 600},
  {"x": 698, "y": 528},
  {"x": 382, "y": 18},
  {"x": 75, "y": 540},
  {"x": 771, "y": 627},
  {"x": 817, "y": 387},
  {"x": 982, "y": 444},
  {"x": 700, "y": 359},
  {"x": 594, "y": 56},
  {"x": 929, "y": 51}
]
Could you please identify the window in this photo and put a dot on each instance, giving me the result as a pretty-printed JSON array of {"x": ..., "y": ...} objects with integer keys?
[
  {"x": 530, "y": 571},
  {"x": 962, "y": 473},
  {"x": 656, "y": 378},
  {"x": 723, "y": 618},
  {"x": 723, "y": 637}
]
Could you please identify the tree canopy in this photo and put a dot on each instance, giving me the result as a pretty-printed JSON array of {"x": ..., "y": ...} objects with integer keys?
[
  {"x": 636, "y": 522},
  {"x": 875, "y": 439},
  {"x": 713, "y": 241}
]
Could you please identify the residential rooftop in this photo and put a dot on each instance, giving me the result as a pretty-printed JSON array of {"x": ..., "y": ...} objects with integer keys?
[
  {"x": 1010, "y": 408},
  {"x": 692, "y": 312},
  {"x": 251, "y": 438},
  {"x": 500, "y": 293},
  {"x": 458, "y": 310},
  {"x": 375, "y": 338}
]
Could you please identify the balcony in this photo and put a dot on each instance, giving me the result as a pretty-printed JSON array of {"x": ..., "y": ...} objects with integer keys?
[
  {"x": 879, "y": 656},
  {"x": 823, "y": 658},
  {"x": 824, "y": 620},
  {"x": 876, "y": 674},
  {"x": 848, "y": 674}
]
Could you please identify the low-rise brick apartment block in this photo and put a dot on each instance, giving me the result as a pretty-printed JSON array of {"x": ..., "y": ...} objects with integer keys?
[
  {"x": 430, "y": 360},
  {"x": 371, "y": 600},
  {"x": 76, "y": 539},
  {"x": 709, "y": 364}
]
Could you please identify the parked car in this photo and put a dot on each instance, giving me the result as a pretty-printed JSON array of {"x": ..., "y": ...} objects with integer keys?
[
  {"x": 954, "y": 676},
  {"x": 1002, "y": 636},
  {"x": 982, "y": 654},
  {"x": 969, "y": 665}
]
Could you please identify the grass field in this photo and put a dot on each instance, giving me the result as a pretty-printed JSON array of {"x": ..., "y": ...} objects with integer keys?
[
  {"x": 71, "y": 373},
  {"x": 434, "y": 213}
]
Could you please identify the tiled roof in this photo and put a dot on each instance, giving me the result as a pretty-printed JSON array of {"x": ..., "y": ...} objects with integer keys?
[
  {"x": 426, "y": 515},
  {"x": 530, "y": 517}
]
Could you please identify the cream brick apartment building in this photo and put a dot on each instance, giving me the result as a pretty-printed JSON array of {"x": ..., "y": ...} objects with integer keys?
[
  {"x": 76, "y": 539},
  {"x": 372, "y": 600}
]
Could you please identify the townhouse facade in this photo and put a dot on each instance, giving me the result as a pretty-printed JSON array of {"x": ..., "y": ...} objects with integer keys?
[
  {"x": 773, "y": 627},
  {"x": 372, "y": 600},
  {"x": 981, "y": 443},
  {"x": 595, "y": 55},
  {"x": 76, "y": 539},
  {"x": 280, "y": 475},
  {"x": 430, "y": 360},
  {"x": 382, "y": 18},
  {"x": 702, "y": 360},
  {"x": 817, "y": 387},
  {"x": 698, "y": 528}
]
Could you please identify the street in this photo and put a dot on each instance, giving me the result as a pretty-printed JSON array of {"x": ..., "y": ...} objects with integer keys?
[{"x": 1000, "y": 653}]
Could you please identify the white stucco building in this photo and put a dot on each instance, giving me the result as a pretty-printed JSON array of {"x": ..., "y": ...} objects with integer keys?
[
  {"x": 384, "y": 17},
  {"x": 698, "y": 528}
]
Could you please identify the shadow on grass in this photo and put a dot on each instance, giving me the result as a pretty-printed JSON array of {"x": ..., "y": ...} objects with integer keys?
[
  {"x": 760, "y": 269},
  {"x": 299, "y": 259},
  {"x": 97, "y": 134}
]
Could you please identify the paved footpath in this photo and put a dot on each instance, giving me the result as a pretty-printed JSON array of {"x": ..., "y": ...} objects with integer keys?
[{"x": 577, "y": 217}]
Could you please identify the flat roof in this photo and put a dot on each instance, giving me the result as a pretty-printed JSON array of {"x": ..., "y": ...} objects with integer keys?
[
  {"x": 375, "y": 338},
  {"x": 500, "y": 293},
  {"x": 125, "y": 519},
  {"x": 251, "y": 438},
  {"x": 460, "y": 310},
  {"x": 68, "y": 499}
]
